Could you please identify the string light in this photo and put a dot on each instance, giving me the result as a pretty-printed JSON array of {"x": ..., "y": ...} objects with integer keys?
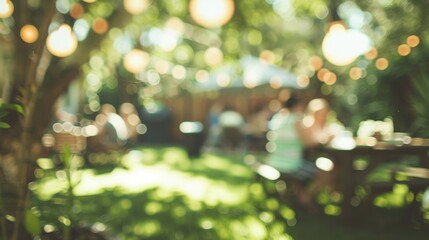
[
  {"x": 136, "y": 6},
  {"x": 303, "y": 81},
  {"x": 371, "y": 54},
  {"x": 355, "y": 73},
  {"x": 29, "y": 33},
  {"x": 62, "y": 42},
  {"x": 100, "y": 25},
  {"x": 382, "y": 64},
  {"x": 404, "y": 49},
  {"x": 321, "y": 74},
  {"x": 413, "y": 41},
  {"x": 6, "y": 8},
  {"x": 77, "y": 11},
  {"x": 136, "y": 61},
  {"x": 330, "y": 78},
  {"x": 341, "y": 46},
  {"x": 211, "y": 14},
  {"x": 315, "y": 62}
]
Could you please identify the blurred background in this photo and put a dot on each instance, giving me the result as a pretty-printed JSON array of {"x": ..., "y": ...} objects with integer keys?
[{"x": 103, "y": 82}]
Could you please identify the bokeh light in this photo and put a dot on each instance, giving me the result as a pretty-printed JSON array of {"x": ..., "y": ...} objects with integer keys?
[
  {"x": 136, "y": 6},
  {"x": 315, "y": 62},
  {"x": 371, "y": 54},
  {"x": 355, "y": 73},
  {"x": 179, "y": 72},
  {"x": 213, "y": 56},
  {"x": 175, "y": 24},
  {"x": 162, "y": 67},
  {"x": 284, "y": 95},
  {"x": 100, "y": 25},
  {"x": 223, "y": 80},
  {"x": 267, "y": 56},
  {"x": 330, "y": 78},
  {"x": 325, "y": 164},
  {"x": 76, "y": 11},
  {"x": 341, "y": 46},
  {"x": 303, "y": 81},
  {"x": 6, "y": 8},
  {"x": 81, "y": 29},
  {"x": 413, "y": 41},
  {"x": 62, "y": 42},
  {"x": 321, "y": 74},
  {"x": 136, "y": 61},
  {"x": 381, "y": 63},
  {"x": 29, "y": 33},
  {"x": 202, "y": 75},
  {"x": 404, "y": 49},
  {"x": 211, "y": 14},
  {"x": 276, "y": 82}
]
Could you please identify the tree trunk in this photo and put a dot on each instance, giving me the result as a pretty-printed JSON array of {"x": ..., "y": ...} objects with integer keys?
[{"x": 36, "y": 85}]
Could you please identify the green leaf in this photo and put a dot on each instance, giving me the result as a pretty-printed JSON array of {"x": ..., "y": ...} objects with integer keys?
[
  {"x": 66, "y": 157},
  {"x": 4, "y": 125},
  {"x": 15, "y": 107},
  {"x": 32, "y": 223}
]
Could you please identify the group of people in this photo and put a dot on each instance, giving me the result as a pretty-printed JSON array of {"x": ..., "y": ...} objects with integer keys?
[{"x": 285, "y": 134}]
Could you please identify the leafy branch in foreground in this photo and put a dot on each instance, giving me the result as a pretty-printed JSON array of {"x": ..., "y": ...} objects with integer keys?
[{"x": 5, "y": 108}]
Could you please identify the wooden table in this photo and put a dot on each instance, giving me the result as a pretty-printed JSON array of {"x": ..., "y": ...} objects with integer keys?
[{"x": 348, "y": 175}]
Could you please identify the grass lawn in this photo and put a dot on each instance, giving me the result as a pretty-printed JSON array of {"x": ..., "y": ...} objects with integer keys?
[{"x": 159, "y": 193}]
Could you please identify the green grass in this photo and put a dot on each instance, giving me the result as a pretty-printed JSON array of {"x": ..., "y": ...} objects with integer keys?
[{"x": 159, "y": 193}]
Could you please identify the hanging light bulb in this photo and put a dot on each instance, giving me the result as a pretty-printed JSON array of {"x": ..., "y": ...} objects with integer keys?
[
  {"x": 62, "y": 42},
  {"x": 136, "y": 6},
  {"x": 341, "y": 46},
  {"x": 211, "y": 14},
  {"x": 136, "y": 60},
  {"x": 29, "y": 33},
  {"x": 6, "y": 8}
]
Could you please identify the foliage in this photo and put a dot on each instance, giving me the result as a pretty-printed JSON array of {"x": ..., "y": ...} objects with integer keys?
[
  {"x": 159, "y": 198},
  {"x": 420, "y": 103},
  {"x": 4, "y": 110}
]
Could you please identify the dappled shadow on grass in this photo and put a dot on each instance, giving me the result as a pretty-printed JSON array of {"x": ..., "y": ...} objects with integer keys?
[
  {"x": 159, "y": 214},
  {"x": 154, "y": 214},
  {"x": 158, "y": 193},
  {"x": 161, "y": 194}
]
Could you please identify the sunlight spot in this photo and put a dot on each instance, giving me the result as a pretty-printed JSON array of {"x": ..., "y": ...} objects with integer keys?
[
  {"x": 45, "y": 163},
  {"x": 266, "y": 217},
  {"x": 98, "y": 227},
  {"x": 153, "y": 208},
  {"x": 207, "y": 224},
  {"x": 268, "y": 172},
  {"x": 325, "y": 164},
  {"x": 332, "y": 210},
  {"x": 287, "y": 213},
  {"x": 64, "y": 220}
]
